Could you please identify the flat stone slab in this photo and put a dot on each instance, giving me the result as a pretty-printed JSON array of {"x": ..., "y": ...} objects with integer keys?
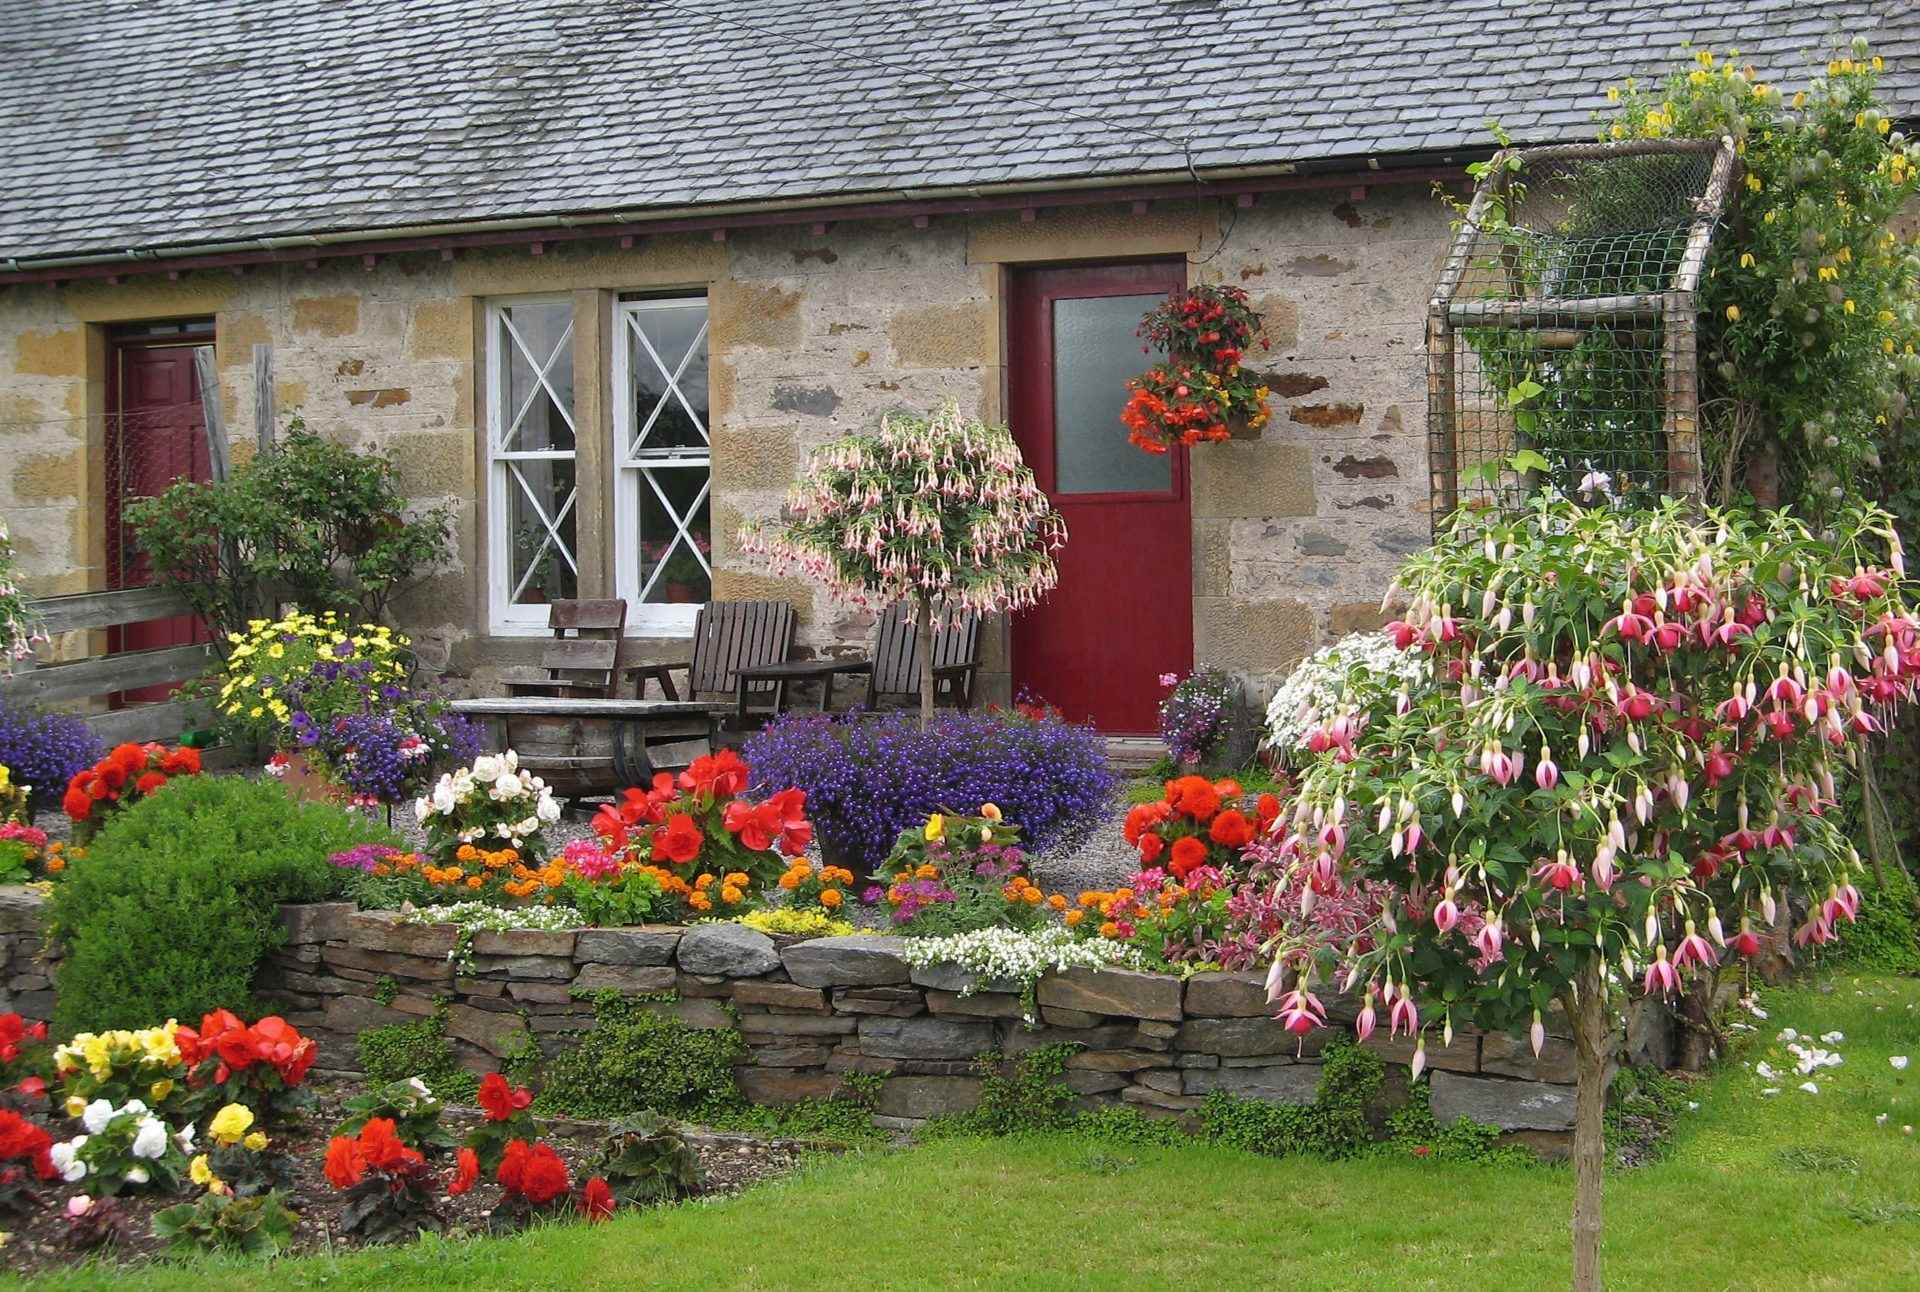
[
  {"x": 1496, "y": 1101},
  {"x": 1227, "y": 995},
  {"x": 1512, "y": 1056},
  {"x": 641, "y": 945},
  {"x": 383, "y": 931},
  {"x": 728, "y": 950},
  {"x": 1280, "y": 1083},
  {"x": 314, "y": 921},
  {"x": 523, "y": 942},
  {"x": 1114, "y": 991},
  {"x": 924, "y": 1038},
  {"x": 856, "y": 960},
  {"x": 1236, "y": 1037},
  {"x": 632, "y": 980},
  {"x": 950, "y": 977},
  {"x": 924, "y": 1097}
]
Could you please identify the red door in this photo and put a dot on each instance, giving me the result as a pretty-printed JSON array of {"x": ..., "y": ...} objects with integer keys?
[
  {"x": 157, "y": 435},
  {"x": 1123, "y": 613}
]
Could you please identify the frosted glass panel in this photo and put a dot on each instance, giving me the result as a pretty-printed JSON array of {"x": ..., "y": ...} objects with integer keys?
[{"x": 1094, "y": 352}]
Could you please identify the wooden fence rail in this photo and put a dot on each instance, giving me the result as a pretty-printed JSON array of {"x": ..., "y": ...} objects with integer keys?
[{"x": 99, "y": 676}]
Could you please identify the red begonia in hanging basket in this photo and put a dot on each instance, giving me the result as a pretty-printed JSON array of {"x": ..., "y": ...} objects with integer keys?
[{"x": 1200, "y": 394}]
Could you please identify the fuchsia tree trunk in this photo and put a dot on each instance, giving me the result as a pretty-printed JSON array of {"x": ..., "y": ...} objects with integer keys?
[
  {"x": 923, "y": 643},
  {"x": 1588, "y": 1013}
]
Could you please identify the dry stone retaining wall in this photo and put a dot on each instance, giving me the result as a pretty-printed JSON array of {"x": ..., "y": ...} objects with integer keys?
[{"x": 811, "y": 1012}]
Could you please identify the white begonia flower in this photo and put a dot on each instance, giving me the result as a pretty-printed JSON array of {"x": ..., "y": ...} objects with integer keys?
[
  {"x": 422, "y": 809},
  {"x": 1899, "y": 1062},
  {"x": 96, "y": 1116},
  {"x": 66, "y": 1160},
  {"x": 504, "y": 831},
  {"x": 443, "y": 798},
  {"x": 419, "y": 1087},
  {"x": 135, "y": 1107},
  {"x": 149, "y": 1139},
  {"x": 529, "y": 826},
  {"x": 548, "y": 809},
  {"x": 512, "y": 760},
  {"x": 184, "y": 1139},
  {"x": 137, "y": 1175},
  {"x": 507, "y": 786},
  {"x": 487, "y": 768}
]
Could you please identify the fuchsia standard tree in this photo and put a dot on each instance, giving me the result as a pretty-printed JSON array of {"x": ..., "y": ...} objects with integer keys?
[
  {"x": 1621, "y": 770},
  {"x": 938, "y": 511}
]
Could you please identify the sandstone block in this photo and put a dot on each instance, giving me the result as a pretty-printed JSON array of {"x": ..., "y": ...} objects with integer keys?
[
  {"x": 1114, "y": 991},
  {"x": 729, "y": 950},
  {"x": 642, "y": 945},
  {"x": 857, "y": 960}
]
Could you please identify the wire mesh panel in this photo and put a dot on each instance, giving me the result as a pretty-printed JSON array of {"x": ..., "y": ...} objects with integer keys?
[{"x": 1561, "y": 334}]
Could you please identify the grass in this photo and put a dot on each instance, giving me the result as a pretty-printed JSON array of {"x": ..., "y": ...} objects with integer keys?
[{"x": 1783, "y": 1192}]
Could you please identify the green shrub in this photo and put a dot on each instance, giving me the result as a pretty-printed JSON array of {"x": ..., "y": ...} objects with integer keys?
[
  {"x": 172, "y": 908},
  {"x": 634, "y": 1060},
  {"x": 417, "y": 1049},
  {"x": 1885, "y": 936}
]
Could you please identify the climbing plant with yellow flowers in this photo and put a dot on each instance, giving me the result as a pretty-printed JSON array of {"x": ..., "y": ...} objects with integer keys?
[{"x": 1811, "y": 300}]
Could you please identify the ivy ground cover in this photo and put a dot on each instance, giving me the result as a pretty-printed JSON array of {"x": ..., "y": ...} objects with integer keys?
[{"x": 1791, "y": 1190}]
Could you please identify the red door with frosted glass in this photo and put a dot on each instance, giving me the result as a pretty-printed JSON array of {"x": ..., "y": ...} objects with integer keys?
[
  {"x": 157, "y": 436},
  {"x": 1123, "y": 613}
]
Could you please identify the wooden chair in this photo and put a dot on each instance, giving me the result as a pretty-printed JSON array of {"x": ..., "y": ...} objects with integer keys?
[
  {"x": 729, "y": 637},
  {"x": 585, "y": 664},
  {"x": 894, "y": 667},
  {"x": 896, "y": 659}
]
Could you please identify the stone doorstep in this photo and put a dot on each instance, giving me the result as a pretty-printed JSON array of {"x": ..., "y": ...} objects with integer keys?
[{"x": 928, "y": 1096}]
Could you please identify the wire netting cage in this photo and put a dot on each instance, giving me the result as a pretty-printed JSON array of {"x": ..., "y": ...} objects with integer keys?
[{"x": 1561, "y": 335}]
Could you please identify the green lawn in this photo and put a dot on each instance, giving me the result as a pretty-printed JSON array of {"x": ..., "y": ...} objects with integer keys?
[{"x": 1792, "y": 1191}]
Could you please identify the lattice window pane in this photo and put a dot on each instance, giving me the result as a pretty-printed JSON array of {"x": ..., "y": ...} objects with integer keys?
[
  {"x": 663, "y": 556},
  {"x": 533, "y": 489}
]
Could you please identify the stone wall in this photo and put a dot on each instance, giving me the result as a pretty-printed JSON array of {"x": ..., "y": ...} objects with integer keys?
[
  {"x": 812, "y": 335},
  {"x": 812, "y": 1011}
]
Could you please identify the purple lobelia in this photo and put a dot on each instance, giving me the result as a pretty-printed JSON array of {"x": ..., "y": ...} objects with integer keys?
[
  {"x": 44, "y": 750},
  {"x": 870, "y": 776}
]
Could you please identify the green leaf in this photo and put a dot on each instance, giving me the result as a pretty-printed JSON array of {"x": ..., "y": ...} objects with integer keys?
[{"x": 1525, "y": 391}]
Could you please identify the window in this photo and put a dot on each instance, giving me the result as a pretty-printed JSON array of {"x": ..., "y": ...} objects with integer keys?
[
  {"x": 662, "y": 552},
  {"x": 531, "y": 463}
]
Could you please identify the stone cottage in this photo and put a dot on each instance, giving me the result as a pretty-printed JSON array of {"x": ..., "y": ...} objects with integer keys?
[{"x": 600, "y": 273}]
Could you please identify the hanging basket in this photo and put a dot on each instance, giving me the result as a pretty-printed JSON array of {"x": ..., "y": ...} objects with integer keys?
[{"x": 1200, "y": 394}]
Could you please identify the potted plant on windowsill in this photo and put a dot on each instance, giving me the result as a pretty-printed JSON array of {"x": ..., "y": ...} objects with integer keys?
[{"x": 1199, "y": 394}]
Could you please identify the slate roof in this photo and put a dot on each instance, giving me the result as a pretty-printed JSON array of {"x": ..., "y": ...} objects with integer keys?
[{"x": 141, "y": 124}]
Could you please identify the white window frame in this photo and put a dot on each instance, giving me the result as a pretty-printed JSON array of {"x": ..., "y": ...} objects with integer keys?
[
  {"x": 633, "y": 471},
  {"x": 504, "y": 617}
]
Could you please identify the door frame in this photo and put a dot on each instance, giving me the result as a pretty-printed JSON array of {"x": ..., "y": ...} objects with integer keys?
[{"x": 1029, "y": 317}]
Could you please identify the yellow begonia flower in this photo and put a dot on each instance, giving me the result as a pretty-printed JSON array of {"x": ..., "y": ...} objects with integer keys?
[
  {"x": 199, "y": 1172},
  {"x": 75, "y": 1105},
  {"x": 231, "y": 1123},
  {"x": 1733, "y": 313},
  {"x": 1746, "y": 260},
  {"x": 160, "y": 1089},
  {"x": 256, "y": 1141},
  {"x": 936, "y": 826},
  {"x": 1753, "y": 182},
  {"x": 1847, "y": 305}
]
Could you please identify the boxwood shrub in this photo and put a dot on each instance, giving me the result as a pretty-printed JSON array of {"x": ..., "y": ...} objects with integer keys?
[{"x": 171, "y": 909}]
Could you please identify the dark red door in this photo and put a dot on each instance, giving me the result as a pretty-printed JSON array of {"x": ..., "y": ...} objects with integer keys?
[
  {"x": 157, "y": 435},
  {"x": 1123, "y": 613}
]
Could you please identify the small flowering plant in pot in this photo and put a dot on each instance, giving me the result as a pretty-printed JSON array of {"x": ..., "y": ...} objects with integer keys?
[
  {"x": 714, "y": 849},
  {"x": 495, "y": 804},
  {"x": 126, "y": 775},
  {"x": 959, "y": 873},
  {"x": 1626, "y": 764},
  {"x": 1200, "y": 394},
  {"x": 1204, "y": 722},
  {"x": 1197, "y": 823}
]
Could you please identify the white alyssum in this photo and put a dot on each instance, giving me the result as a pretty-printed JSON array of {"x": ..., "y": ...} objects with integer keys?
[
  {"x": 1018, "y": 956},
  {"x": 479, "y": 916},
  {"x": 1351, "y": 673}
]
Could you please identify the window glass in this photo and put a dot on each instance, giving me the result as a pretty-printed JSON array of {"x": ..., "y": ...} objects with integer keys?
[{"x": 1094, "y": 352}]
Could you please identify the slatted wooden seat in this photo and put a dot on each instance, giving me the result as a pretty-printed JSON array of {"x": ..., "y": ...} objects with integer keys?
[
  {"x": 583, "y": 659},
  {"x": 729, "y": 637},
  {"x": 896, "y": 658},
  {"x": 894, "y": 668}
]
